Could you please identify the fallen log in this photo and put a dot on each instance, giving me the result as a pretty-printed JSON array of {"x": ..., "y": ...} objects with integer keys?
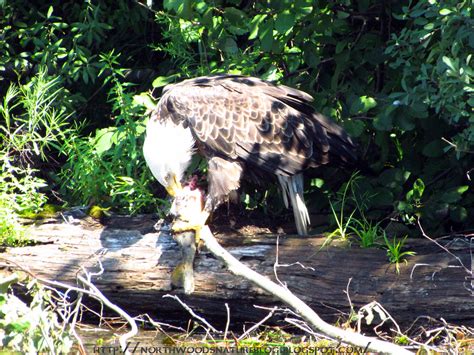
[{"x": 138, "y": 263}]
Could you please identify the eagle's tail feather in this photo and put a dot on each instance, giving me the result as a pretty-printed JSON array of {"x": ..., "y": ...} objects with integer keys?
[{"x": 293, "y": 188}]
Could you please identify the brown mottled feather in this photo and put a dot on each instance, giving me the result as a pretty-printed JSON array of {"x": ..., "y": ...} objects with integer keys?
[{"x": 256, "y": 123}]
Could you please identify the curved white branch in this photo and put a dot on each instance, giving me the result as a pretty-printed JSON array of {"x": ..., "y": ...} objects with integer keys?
[{"x": 239, "y": 269}]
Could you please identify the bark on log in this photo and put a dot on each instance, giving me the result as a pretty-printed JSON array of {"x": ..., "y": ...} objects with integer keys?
[{"x": 138, "y": 263}]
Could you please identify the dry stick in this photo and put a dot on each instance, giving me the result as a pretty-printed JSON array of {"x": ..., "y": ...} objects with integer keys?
[
  {"x": 97, "y": 294},
  {"x": 92, "y": 292},
  {"x": 227, "y": 322},
  {"x": 239, "y": 269},
  {"x": 191, "y": 312},
  {"x": 256, "y": 325},
  {"x": 443, "y": 247}
]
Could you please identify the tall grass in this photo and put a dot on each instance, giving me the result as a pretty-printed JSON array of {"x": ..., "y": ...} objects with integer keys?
[{"x": 33, "y": 123}]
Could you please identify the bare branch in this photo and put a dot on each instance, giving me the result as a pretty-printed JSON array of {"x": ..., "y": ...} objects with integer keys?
[
  {"x": 443, "y": 247},
  {"x": 299, "y": 306},
  {"x": 191, "y": 312},
  {"x": 256, "y": 325},
  {"x": 99, "y": 296}
]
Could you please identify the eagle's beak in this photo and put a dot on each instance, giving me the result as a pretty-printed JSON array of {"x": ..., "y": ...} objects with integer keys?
[{"x": 174, "y": 186}]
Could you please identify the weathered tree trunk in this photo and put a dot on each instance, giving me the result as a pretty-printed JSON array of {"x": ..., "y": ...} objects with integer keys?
[{"x": 138, "y": 264}]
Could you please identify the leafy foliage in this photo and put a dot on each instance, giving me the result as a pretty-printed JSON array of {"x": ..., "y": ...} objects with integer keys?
[
  {"x": 397, "y": 76},
  {"x": 394, "y": 251},
  {"x": 34, "y": 327},
  {"x": 32, "y": 124},
  {"x": 96, "y": 170}
]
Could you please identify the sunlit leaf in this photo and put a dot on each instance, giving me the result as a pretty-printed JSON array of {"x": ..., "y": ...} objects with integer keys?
[
  {"x": 362, "y": 104},
  {"x": 444, "y": 12},
  {"x": 255, "y": 25},
  {"x": 284, "y": 22},
  {"x": 164, "y": 80},
  {"x": 104, "y": 139},
  {"x": 266, "y": 35}
]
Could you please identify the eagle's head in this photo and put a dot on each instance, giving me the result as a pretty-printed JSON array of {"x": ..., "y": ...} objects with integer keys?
[{"x": 168, "y": 149}]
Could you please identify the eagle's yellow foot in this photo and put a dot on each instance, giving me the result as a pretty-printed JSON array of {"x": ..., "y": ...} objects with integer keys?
[{"x": 195, "y": 223}]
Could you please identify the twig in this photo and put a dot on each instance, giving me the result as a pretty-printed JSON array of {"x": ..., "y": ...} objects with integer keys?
[
  {"x": 97, "y": 294},
  {"x": 146, "y": 318},
  {"x": 75, "y": 313},
  {"x": 443, "y": 247},
  {"x": 298, "y": 323},
  {"x": 348, "y": 295},
  {"x": 227, "y": 322},
  {"x": 415, "y": 266},
  {"x": 301, "y": 308},
  {"x": 93, "y": 292},
  {"x": 256, "y": 325},
  {"x": 275, "y": 265},
  {"x": 191, "y": 312}
]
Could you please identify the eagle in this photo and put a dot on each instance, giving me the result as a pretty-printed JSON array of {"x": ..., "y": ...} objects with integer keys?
[{"x": 245, "y": 127}]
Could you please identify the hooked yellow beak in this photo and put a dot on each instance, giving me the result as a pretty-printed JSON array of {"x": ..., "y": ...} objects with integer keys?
[{"x": 174, "y": 186}]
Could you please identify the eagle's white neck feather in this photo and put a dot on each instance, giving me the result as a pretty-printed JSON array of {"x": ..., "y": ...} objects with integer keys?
[{"x": 168, "y": 149}]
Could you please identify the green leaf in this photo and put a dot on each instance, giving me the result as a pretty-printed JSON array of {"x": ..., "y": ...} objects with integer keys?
[
  {"x": 458, "y": 214},
  {"x": 354, "y": 127},
  {"x": 284, "y": 22},
  {"x": 434, "y": 149},
  {"x": 340, "y": 46},
  {"x": 6, "y": 281},
  {"x": 234, "y": 16},
  {"x": 417, "y": 12},
  {"x": 418, "y": 110},
  {"x": 403, "y": 206},
  {"x": 144, "y": 100},
  {"x": 310, "y": 55},
  {"x": 266, "y": 35},
  {"x": 104, "y": 139},
  {"x": 255, "y": 25},
  {"x": 303, "y": 6},
  {"x": 393, "y": 177},
  {"x": 229, "y": 45},
  {"x": 172, "y": 4},
  {"x": 383, "y": 121},
  {"x": 342, "y": 15},
  {"x": 404, "y": 120},
  {"x": 450, "y": 63},
  {"x": 417, "y": 191},
  {"x": 272, "y": 74},
  {"x": 164, "y": 80},
  {"x": 18, "y": 326},
  {"x": 381, "y": 196},
  {"x": 362, "y": 105},
  {"x": 50, "y": 12},
  {"x": 444, "y": 12},
  {"x": 317, "y": 182},
  {"x": 454, "y": 194}
]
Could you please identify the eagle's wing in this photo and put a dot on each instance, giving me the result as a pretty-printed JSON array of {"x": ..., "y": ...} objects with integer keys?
[{"x": 244, "y": 118}]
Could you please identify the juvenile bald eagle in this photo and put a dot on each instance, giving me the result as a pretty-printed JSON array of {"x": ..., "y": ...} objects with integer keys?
[{"x": 244, "y": 126}]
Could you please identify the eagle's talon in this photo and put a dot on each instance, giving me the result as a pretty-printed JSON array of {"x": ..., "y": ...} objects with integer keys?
[
  {"x": 184, "y": 226},
  {"x": 193, "y": 223}
]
